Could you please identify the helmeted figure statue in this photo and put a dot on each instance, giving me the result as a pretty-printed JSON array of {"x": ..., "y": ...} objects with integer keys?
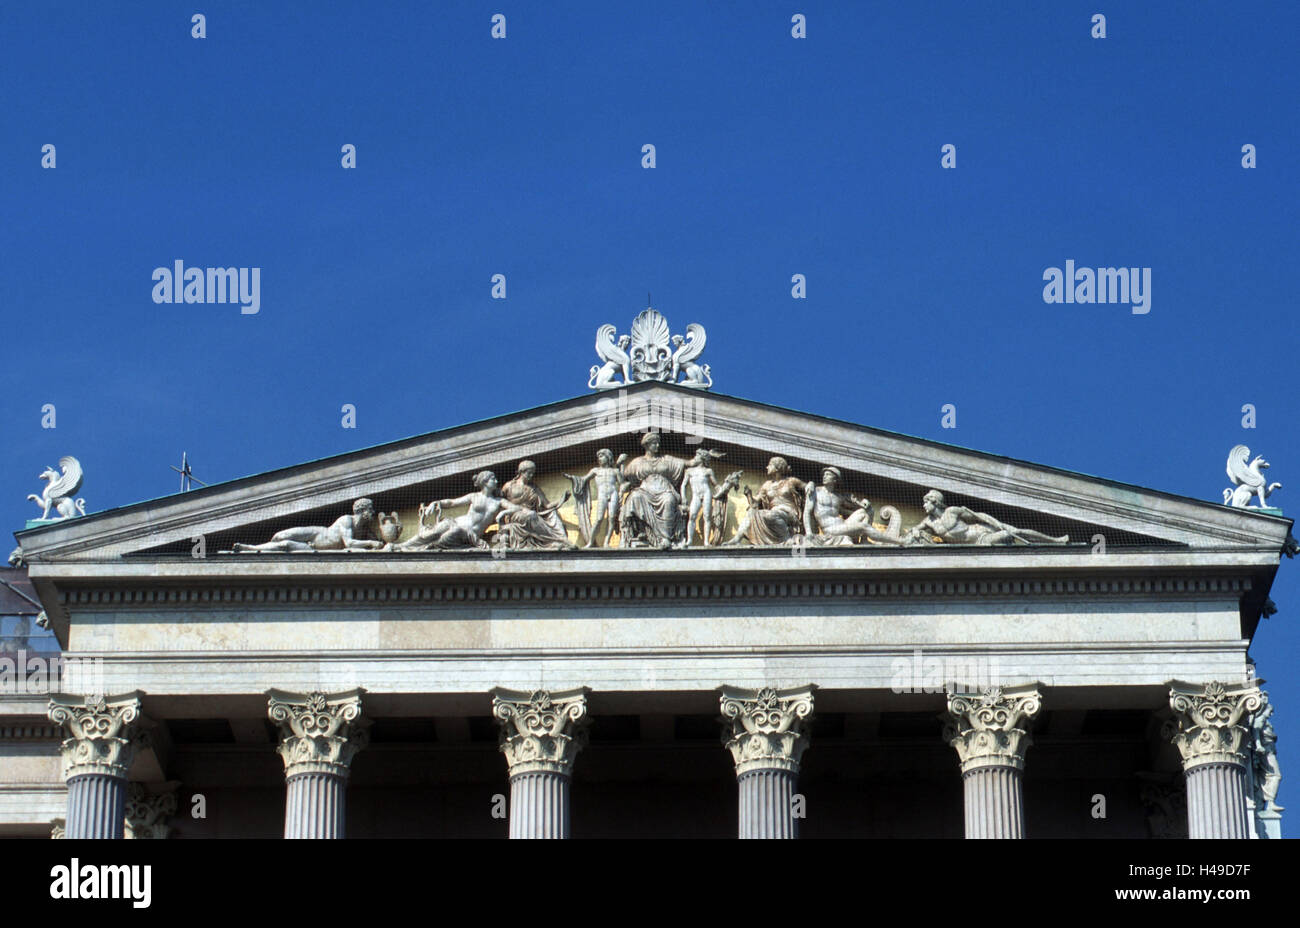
[
  {"x": 832, "y": 519},
  {"x": 651, "y": 513},
  {"x": 700, "y": 484}
]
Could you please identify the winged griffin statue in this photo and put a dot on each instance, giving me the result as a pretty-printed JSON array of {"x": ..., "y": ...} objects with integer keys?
[
  {"x": 59, "y": 487},
  {"x": 649, "y": 352},
  {"x": 1248, "y": 480}
]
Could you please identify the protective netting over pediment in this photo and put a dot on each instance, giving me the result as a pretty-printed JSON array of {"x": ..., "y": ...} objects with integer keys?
[{"x": 666, "y": 492}]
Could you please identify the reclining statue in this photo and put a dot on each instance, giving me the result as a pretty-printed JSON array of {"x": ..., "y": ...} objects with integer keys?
[
  {"x": 360, "y": 531},
  {"x": 958, "y": 525}
]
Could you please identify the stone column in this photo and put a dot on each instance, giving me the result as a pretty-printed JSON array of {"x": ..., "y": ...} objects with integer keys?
[
  {"x": 102, "y": 741},
  {"x": 148, "y": 810},
  {"x": 766, "y": 732},
  {"x": 319, "y": 735},
  {"x": 990, "y": 734},
  {"x": 541, "y": 735},
  {"x": 1209, "y": 728}
]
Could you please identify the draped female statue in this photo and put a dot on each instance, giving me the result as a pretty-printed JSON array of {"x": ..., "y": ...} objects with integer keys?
[
  {"x": 776, "y": 513},
  {"x": 537, "y": 524},
  {"x": 651, "y": 514}
]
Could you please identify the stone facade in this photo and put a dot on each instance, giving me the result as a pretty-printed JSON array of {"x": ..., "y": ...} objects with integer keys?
[{"x": 543, "y": 693}]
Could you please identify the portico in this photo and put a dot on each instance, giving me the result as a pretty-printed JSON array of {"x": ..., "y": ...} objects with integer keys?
[{"x": 774, "y": 689}]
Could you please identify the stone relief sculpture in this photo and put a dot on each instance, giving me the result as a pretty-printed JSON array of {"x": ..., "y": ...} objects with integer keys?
[
  {"x": 776, "y": 514},
  {"x": 659, "y": 501},
  {"x": 649, "y": 352},
  {"x": 609, "y": 484},
  {"x": 699, "y": 482},
  {"x": 1263, "y": 757},
  {"x": 363, "y": 530},
  {"x": 60, "y": 486},
  {"x": 534, "y": 522},
  {"x": 1247, "y": 479},
  {"x": 830, "y": 518},
  {"x": 651, "y": 512},
  {"x": 685, "y": 351},
  {"x": 466, "y": 530},
  {"x": 962, "y": 526},
  {"x": 614, "y": 354},
  {"x": 718, "y": 507}
]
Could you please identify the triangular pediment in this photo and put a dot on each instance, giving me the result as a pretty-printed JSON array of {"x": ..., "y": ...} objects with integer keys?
[{"x": 891, "y": 470}]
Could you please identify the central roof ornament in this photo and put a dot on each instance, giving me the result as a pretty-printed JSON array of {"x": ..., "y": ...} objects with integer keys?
[{"x": 649, "y": 352}]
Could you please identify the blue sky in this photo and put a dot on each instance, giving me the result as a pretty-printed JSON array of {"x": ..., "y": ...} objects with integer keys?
[{"x": 775, "y": 156}]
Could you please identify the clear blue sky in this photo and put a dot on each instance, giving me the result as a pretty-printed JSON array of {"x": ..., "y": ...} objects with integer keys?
[{"x": 775, "y": 156}]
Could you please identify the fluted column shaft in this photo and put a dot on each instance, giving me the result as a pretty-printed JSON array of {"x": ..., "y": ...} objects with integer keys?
[
  {"x": 1216, "y": 801},
  {"x": 103, "y": 737},
  {"x": 320, "y": 734},
  {"x": 766, "y": 731},
  {"x": 314, "y": 805},
  {"x": 541, "y": 735},
  {"x": 993, "y": 801},
  {"x": 1210, "y": 730},
  {"x": 96, "y": 806},
  {"x": 990, "y": 733},
  {"x": 767, "y": 804},
  {"x": 539, "y": 805}
]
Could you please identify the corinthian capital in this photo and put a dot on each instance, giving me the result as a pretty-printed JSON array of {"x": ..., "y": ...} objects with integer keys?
[
  {"x": 319, "y": 732},
  {"x": 102, "y": 733},
  {"x": 992, "y": 729},
  {"x": 766, "y": 729},
  {"x": 1210, "y": 722},
  {"x": 541, "y": 731},
  {"x": 148, "y": 811}
]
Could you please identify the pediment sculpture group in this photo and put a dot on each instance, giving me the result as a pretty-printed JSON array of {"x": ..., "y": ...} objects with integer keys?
[{"x": 653, "y": 501}]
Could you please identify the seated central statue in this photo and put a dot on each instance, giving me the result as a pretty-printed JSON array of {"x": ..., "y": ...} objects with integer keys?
[{"x": 651, "y": 516}]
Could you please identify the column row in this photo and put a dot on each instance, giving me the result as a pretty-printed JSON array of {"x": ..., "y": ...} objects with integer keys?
[{"x": 766, "y": 730}]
